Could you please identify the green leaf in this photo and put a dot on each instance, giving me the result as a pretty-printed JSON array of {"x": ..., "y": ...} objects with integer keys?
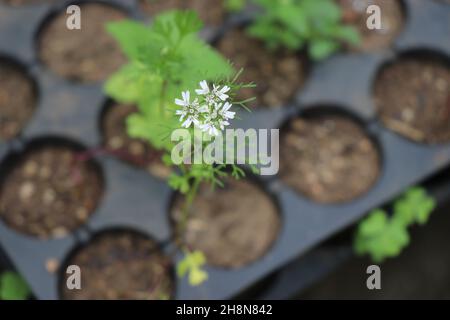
[
  {"x": 348, "y": 34},
  {"x": 13, "y": 287},
  {"x": 322, "y": 48},
  {"x": 132, "y": 36},
  {"x": 192, "y": 265},
  {"x": 234, "y": 5},
  {"x": 415, "y": 206}
]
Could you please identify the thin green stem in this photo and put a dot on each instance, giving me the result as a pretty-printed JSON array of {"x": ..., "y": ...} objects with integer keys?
[{"x": 192, "y": 193}]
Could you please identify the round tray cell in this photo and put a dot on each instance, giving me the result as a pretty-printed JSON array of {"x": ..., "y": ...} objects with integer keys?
[
  {"x": 233, "y": 226},
  {"x": 18, "y": 98},
  {"x": 278, "y": 75},
  {"x": 211, "y": 12},
  {"x": 49, "y": 189},
  {"x": 328, "y": 157},
  {"x": 412, "y": 96},
  {"x": 392, "y": 22},
  {"x": 135, "y": 151},
  {"x": 86, "y": 55},
  {"x": 120, "y": 265}
]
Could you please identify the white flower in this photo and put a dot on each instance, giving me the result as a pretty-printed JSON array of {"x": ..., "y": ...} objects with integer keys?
[
  {"x": 217, "y": 118},
  {"x": 216, "y": 95},
  {"x": 221, "y": 93},
  {"x": 190, "y": 110},
  {"x": 225, "y": 113},
  {"x": 204, "y": 88}
]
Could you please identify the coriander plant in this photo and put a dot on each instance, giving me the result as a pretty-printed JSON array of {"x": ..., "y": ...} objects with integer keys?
[
  {"x": 382, "y": 236},
  {"x": 177, "y": 82},
  {"x": 295, "y": 24}
]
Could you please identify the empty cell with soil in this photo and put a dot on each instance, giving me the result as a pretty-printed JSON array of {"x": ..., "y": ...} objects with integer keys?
[
  {"x": 18, "y": 98},
  {"x": 120, "y": 265},
  {"x": 46, "y": 192},
  {"x": 412, "y": 96},
  {"x": 86, "y": 55},
  {"x": 329, "y": 158}
]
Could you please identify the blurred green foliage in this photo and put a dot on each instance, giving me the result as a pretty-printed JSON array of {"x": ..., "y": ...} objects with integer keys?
[
  {"x": 382, "y": 236},
  {"x": 13, "y": 287}
]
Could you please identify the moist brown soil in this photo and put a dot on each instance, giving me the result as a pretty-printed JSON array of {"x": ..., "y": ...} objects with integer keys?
[
  {"x": 412, "y": 97},
  {"x": 17, "y": 100},
  {"x": 328, "y": 158},
  {"x": 135, "y": 151},
  {"x": 47, "y": 193},
  {"x": 232, "y": 226},
  {"x": 85, "y": 55},
  {"x": 121, "y": 266},
  {"x": 278, "y": 75},
  {"x": 211, "y": 12},
  {"x": 392, "y": 22}
]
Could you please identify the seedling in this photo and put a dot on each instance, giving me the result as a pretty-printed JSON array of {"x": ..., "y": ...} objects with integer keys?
[
  {"x": 382, "y": 236},
  {"x": 296, "y": 24},
  {"x": 13, "y": 287},
  {"x": 177, "y": 81}
]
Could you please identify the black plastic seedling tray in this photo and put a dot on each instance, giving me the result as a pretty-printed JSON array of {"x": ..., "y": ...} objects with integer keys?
[{"x": 137, "y": 200}]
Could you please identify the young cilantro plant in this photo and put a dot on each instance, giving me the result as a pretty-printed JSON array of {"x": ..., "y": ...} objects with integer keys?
[
  {"x": 177, "y": 81},
  {"x": 382, "y": 236},
  {"x": 295, "y": 24},
  {"x": 13, "y": 287}
]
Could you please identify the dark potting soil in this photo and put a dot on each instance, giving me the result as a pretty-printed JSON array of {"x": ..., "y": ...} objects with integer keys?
[
  {"x": 87, "y": 55},
  {"x": 17, "y": 99},
  {"x": 133, "y": 150},
  {"x": 232, "y": 226},
  {"x": 412, "y": 97},
  {"x": 48, "y": 193},
  {"x": 278, "y": 75},
  {"x": 392, "y": 22},
  {"x": 211, "y": 12},
  {"x": 121, "y": 265},
  {"x": 328, "y": 158}
]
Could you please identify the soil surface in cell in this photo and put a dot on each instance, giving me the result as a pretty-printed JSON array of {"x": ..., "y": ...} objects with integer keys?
[
  {"x": 328, "y": 158},
  {"x": 48, "y": 193},
  {"x": 121, "y": 266},
  {"x": 412, "y": 97},
  {"x": 135, "y": 151},
  {"x": 232, "y": 226},
  {"x": 17, "y": 100},
  {"x": 211, "y": 12},
  {"x": 87, "y": 55},
  {"x": 278, "y": 75},
  {"x": 392, "y": 22}
]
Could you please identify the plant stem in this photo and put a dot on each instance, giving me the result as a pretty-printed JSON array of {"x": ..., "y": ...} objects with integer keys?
[
  {"x": 185, "y": 212},
  {"x": 162, "y": 97}
]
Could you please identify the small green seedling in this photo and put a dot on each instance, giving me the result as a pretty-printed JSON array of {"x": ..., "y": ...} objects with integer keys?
[
  {"x": 295, "y": 24},
  {"x": 13, "y": 287},
  {"x": 192, "y": 265},
  {"x": 382, "y": 236}
]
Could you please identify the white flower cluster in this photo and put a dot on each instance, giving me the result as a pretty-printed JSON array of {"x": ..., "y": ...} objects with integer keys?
[{"x": 209, "y": 111}]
